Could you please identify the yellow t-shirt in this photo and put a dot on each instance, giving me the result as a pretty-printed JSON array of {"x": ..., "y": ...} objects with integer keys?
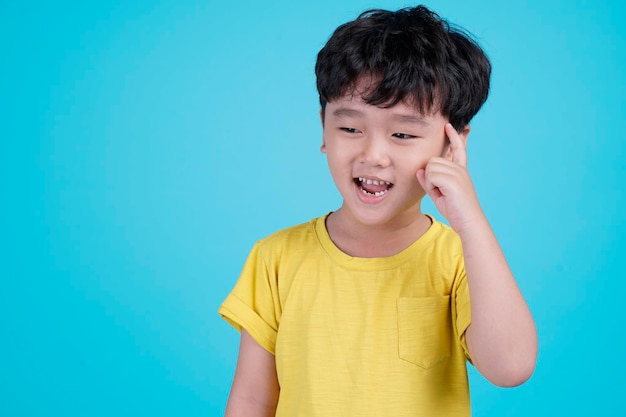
[{"x": 358, "y": 336}]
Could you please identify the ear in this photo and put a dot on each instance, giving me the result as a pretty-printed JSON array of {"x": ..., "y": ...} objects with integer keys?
[
  {"x": 323, "y": 147},
  {"x": 465, "y": 133}
]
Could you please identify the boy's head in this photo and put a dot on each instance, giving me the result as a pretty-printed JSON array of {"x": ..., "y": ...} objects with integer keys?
[{"x": 411, "y": 56}]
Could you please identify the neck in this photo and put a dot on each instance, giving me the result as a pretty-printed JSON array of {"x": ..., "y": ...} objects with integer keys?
[{"x": 375, "y": 241}]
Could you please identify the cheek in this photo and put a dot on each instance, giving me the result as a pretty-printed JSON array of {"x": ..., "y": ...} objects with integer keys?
[
  {"x": 337, "y": 165},
  {"x": 413, "y": 162},
  {"x": 417, "y": 158},
  {"x": 339, "y": 153}
]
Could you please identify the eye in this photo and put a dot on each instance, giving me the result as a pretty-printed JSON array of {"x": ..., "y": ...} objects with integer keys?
[
  {"x": 350, "y": 130},
  {"x": 403, "y": 136}
]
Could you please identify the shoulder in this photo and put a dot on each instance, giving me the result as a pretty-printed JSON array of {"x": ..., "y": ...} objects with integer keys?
[
  {"x": 446, "y": 243},
  {"x": 282, "y": 254},
  {"x": 294, "y": 237},
  {"x": 446, "y": 234}
]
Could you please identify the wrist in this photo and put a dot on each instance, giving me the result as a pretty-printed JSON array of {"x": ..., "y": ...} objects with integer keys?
[{"x": 472, "y": 226}]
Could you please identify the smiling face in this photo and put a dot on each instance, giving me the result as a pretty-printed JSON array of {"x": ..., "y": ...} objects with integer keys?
[{"x": 374, "y": 154}]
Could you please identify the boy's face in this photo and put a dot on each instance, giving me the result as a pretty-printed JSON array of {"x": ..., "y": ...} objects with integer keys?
[{"x": 374, "y": 154}]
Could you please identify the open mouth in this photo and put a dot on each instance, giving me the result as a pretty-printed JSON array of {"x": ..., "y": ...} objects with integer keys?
[{"x": 375, "y": 188}]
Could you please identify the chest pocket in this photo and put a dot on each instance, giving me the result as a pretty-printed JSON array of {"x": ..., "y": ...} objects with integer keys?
[{"x": 424, "y": 330}]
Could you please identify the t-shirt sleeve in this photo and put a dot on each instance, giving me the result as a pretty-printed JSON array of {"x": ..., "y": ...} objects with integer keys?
[
  {"x": 461, "y": 307},
  {"x": 252, "y": 304}
]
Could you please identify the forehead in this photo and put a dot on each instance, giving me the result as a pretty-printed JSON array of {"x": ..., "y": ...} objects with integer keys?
[{"x": 368, "y": 89}]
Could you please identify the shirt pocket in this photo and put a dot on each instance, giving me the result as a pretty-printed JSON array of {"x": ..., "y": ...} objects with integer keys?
[{"x": 424, "y": 333}]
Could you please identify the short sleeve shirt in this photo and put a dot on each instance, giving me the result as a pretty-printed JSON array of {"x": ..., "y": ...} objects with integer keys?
[{"x": 359, "y": 336}]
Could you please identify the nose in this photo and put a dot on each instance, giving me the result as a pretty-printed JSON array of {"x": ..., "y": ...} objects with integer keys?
[{"x": 375, "y": 152}]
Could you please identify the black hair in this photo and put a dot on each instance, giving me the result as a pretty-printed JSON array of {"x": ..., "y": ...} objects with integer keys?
[{"x": 409, "y": 55}]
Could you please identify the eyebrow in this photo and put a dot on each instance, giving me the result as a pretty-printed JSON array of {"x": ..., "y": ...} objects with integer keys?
[
  {"x": 408, "y": 118},
  {"x": 402, "y": 118},
  {"x": 345, "y": 112}
]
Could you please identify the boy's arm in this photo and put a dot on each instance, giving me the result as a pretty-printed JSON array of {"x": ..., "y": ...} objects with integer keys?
[
  {"x": 255, "y": 387},
  {"x": 501, "y": 339}
]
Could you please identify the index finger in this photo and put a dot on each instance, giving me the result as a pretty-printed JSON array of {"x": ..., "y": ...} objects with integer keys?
[{"x": 457, "y": 145}]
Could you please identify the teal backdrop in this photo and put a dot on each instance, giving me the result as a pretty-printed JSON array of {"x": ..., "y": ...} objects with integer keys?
[{"x": 146, "y": 145}]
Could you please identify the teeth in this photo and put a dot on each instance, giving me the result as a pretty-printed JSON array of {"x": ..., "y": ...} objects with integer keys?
[
  {"x": 375, "y": 182},
  {"x": 377, "y": 194}
]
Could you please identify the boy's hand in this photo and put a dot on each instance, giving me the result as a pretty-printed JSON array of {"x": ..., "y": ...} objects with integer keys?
[{"x": 447, "y": 182}]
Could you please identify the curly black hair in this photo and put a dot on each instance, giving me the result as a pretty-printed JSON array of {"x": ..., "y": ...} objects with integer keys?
[{"x": 408, "y": 55}]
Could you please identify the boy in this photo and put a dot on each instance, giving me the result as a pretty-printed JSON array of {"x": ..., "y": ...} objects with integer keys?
[{"x": 366, "y": 311}]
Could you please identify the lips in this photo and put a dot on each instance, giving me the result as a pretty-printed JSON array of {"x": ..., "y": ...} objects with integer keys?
[{"x": 373, "y": 187}]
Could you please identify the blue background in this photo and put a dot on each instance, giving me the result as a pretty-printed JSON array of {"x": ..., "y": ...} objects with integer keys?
[{"x": 147, "y": 145}]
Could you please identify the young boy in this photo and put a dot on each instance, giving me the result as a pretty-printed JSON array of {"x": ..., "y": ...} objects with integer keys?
[{"x": 366, "y": 311}]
